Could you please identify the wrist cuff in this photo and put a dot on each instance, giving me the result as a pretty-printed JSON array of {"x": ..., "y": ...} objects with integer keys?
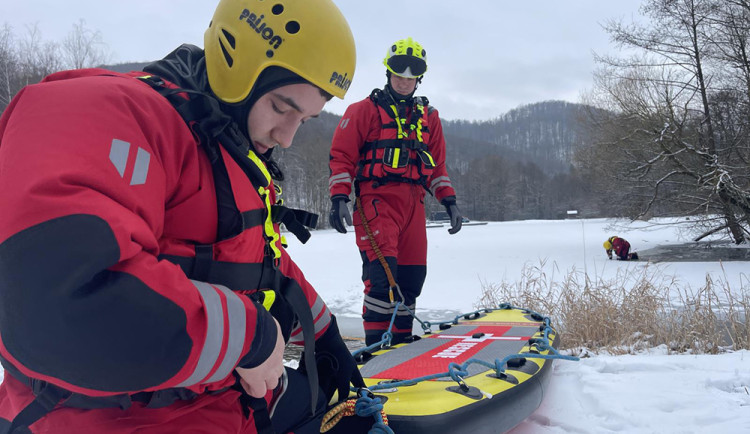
[
  {"x": 448, "y": 201},
  {"x": 264, "y": 341}
]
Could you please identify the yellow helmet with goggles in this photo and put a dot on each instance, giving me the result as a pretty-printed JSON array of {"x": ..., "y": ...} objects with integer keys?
[
  {"x": 310, "y": 38},
  {"x": 406, "y": 58}
]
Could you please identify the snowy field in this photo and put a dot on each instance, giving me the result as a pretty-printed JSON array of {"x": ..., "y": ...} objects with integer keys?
[
  {"x": 646, "y": 393},
  {"x": 458, "y": 265}
]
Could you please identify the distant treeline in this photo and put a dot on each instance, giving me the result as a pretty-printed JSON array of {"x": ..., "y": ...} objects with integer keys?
[{"x": 518, "y": 166}]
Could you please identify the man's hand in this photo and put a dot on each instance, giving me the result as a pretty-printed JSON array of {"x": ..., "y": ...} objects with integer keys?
[
  {"x": 340, "y": 213},
  {"x": 456, "y": 218},
  {"x": 256, "y": 381}
]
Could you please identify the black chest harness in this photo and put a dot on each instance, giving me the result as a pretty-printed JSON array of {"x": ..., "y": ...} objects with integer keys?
[{"x": 400, "y": 153}]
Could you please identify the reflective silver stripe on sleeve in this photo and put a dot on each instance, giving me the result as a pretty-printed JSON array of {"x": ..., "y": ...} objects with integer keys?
[
  {"x": 439, "y": 179},
  {"x": 297, "y": 337},
  {"x": 341, "y": 177},
  {"x": 214, "y": 333},
  {"x": 442, "y": 184},
  {"x": 237, "y": 326},
  {"x": 317, "y": 307},
  {"x": 442, "y": 181},
  {"x": 323, "y": 321}
]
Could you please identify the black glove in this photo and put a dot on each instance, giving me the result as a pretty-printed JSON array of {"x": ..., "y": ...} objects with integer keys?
[
  {"x": 336, "y": 366},
  {"x": 340, "y": 213},
  {"x": 456, "y": 218}
]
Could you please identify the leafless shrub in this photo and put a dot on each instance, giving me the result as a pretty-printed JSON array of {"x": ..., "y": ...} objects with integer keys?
[{"x": 635, "y": 310}]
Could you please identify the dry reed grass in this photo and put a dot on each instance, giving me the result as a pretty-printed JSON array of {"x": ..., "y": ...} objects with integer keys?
[{"x": 631, "y": 312}]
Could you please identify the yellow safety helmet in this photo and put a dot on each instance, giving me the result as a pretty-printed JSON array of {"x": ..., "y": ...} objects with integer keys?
[
  {"x": 406, "y": 58},
  {"x": 310, "y": 38},
  {"x": 607, "y": 245}
]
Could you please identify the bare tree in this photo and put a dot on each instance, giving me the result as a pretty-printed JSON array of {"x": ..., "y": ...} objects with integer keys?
[
  {"x": 486, "y": 195},
  {"x": 24, "y": 61},
  {"x": 37, "y": 57},
  {"x": 29, "y": 59},
  {"x": 8, "y": 66},
  {"x": 84, "y": 47},
  {"x": 673, "y": 137}
]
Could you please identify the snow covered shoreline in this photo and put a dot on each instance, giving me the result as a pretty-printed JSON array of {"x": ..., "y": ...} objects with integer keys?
[{"x": 650, "y": 392}]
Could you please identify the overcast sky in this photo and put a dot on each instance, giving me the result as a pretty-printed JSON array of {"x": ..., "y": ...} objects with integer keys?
[{"x": 485, "y": 57}]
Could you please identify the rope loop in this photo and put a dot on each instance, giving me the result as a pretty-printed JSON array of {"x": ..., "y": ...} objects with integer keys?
[
  {"x": 385, "y": 340},
  {"x": 334, "y": 415},
  {"x": 457, "y": 372},
  {"x": 367, "y": 406},
  {"x": 398, "y": 291}
]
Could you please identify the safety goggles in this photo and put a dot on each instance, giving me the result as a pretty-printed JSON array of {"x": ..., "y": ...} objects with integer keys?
[{"x": 407, "y": 66}]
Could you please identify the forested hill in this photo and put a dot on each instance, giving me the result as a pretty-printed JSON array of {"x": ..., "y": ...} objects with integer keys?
[
  {"x": 545, "y": 134},
  {"x": 126, "y": 67},
  {"x": 515, "y": 166}
]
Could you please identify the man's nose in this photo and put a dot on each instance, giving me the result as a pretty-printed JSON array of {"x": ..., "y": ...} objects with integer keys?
[{"x": 284, "y": 134}]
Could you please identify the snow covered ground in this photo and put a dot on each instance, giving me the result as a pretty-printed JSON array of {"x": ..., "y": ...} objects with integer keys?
[
  {"x": 647, "y": 393},
  {"x": 458, "y": 265}
]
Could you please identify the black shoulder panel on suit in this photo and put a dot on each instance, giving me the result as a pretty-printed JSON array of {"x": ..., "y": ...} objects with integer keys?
[{"x": 65, "y": 315}]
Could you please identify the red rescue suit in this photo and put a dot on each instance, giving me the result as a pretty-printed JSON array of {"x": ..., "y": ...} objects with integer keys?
[
  {"x": 114, "y": 284},
  {"x": 390, "y": 153},
  {"x": 621, "y": 248}
]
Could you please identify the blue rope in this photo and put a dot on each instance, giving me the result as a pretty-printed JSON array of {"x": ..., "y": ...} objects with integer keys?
[
  {"x": 455, "y": 371},
  {"x": 371, "y": 406},
  {"x": 385, "y": 340}
]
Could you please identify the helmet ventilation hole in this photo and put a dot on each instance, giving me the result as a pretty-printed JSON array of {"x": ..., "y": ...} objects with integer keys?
[
  {"x": 277, "y": 9},
  {"x": 292, "y": 27},
  {"x": 227, "y": 56},
  {"x": 230, "y": 37}
]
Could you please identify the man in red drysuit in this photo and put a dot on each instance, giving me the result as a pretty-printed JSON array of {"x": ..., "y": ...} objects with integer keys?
[
  {"x": 143, "y": 283},
  {"x": 389, "y": 148}
]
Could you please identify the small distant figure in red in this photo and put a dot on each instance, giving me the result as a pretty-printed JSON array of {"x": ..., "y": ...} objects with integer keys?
[{"x": 621, "y": 248}]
